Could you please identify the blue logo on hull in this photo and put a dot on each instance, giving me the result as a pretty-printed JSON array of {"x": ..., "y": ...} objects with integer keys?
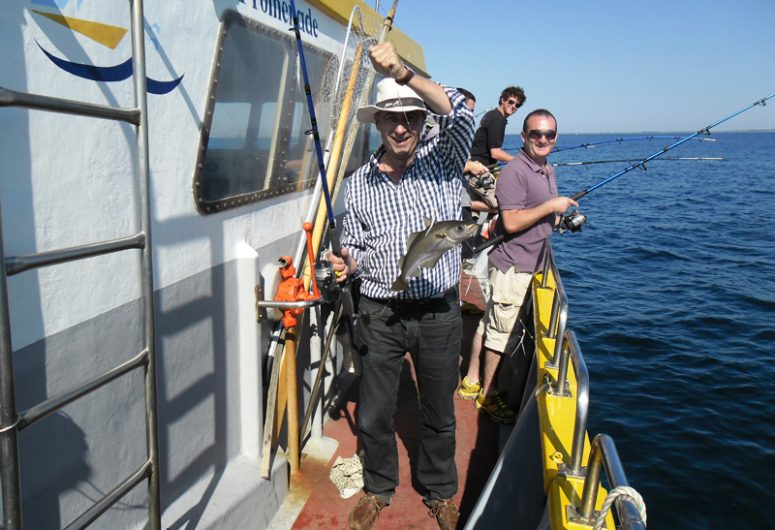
[{"x": 109, "y": 74}]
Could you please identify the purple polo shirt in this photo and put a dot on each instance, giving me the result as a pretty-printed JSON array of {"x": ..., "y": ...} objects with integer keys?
[{"x": 523, "y": 184}]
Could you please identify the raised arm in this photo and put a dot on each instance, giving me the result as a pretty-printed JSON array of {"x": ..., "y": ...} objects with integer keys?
[{"x": 387, "y": 63}]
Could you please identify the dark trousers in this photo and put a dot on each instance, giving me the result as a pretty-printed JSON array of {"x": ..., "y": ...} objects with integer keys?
[{"x": 431, "y": 331}]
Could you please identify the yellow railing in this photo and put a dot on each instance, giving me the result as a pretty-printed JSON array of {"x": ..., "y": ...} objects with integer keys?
[{"x": 563, "y": 407}]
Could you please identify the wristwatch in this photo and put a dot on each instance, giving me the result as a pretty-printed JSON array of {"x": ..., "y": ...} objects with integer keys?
[{"x": 406, "y": 76}]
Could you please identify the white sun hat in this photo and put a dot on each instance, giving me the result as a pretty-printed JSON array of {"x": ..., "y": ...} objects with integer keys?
[{"x": 391, "y": 97}]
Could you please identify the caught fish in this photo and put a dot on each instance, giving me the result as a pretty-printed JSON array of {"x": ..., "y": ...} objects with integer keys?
[{"x": 424, "y": 248}]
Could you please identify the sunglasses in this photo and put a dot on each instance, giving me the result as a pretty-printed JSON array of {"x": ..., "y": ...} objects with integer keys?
[
  {"x": 535, "y": 134},
  {"x": 514, "y": 103}
]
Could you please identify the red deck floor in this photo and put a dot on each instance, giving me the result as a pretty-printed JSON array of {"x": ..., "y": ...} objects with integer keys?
[{"x": 476, "y": 454}]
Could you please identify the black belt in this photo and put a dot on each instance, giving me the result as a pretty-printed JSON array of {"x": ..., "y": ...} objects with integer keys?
[{"x": 418, "y": 304}]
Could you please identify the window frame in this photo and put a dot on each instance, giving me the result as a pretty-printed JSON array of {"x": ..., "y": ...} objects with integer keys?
[{"x": 281, "y": 140}]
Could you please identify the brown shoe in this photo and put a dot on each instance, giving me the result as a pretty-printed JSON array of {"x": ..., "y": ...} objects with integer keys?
[
  {"x": 365, "y": 513},
  {"x": 445, "y": 512}
]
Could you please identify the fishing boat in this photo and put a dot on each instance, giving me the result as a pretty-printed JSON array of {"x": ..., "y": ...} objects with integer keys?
[{"x": 157, "y": 178}]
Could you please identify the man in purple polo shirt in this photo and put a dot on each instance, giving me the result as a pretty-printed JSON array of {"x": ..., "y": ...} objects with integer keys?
[{"x": 529, "y": 208}]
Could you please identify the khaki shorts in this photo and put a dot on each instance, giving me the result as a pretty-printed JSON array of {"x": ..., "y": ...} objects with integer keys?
[{"x": 499, "y": 323}]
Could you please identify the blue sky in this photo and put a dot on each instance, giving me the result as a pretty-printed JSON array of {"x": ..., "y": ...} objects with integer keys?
[{"x": 604, "y": 65}]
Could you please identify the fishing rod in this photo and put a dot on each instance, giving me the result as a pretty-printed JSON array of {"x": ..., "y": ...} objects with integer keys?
[
  {"x": 674, "y": 158},
  {"x": 341, "y": 151},
  {"x": 629, "y": 139},
  {"x": 315, "y": 131},
  {"x": 336, "y": 246},
  {"x": 319, "y": 212},
  {"x": 574, "y": 220}
]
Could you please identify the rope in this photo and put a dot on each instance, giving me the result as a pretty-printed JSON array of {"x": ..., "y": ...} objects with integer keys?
[{"x": 620, "y": 491}]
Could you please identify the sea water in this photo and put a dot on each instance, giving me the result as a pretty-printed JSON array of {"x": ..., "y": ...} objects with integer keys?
[{"x": 671, "y": 290}]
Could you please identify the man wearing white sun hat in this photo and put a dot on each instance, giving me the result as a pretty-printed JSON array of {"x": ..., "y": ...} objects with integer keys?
[{"x": 407, "y": 180}]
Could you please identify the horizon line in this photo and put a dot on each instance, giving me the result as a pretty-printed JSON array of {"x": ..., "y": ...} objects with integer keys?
[{"x": 666, "y": 132}]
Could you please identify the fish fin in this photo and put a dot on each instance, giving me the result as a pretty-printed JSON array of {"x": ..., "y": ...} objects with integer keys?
[
  {"x": 428, "y": 222},
  {"x": 411, "y": 238},
  {"x": 430, "y": 262},
  {"x": 429, "y": 226},
  {"x": 400, "y": 284}
]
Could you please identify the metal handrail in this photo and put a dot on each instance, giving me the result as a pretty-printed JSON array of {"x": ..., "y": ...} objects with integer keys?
[
  {"x": 559, "y": 315},
  {"x": 572, "y": 349},
  {"x": 9, "y": 450},
  {"x": 283, "y": 306},
  {"x": 298, "y": 304},
  {"x": 566, "y": 349},
  {"x": 17, "y": 264},
  {"x": 49, "y": 406},
  {"x": 104, "y": 504},
  {"x": 604, "y": 454},
  {"x": 148, "y": 327},
  {"x": 11, "y": 98}
]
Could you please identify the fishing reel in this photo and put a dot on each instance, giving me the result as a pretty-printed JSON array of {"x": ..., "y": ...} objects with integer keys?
[
  {"x": 485, "y": 181},
  {"x": 572, "y": 222},
  {"x": 326, "y": 279},
  {"x": 324, "y": 274}
]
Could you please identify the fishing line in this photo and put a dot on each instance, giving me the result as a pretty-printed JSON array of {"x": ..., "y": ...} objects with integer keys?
[
  {"x": 674, "y": 158},
  {"x": 589, "y": 145},
  {"x": 642, "y": 163},
  {"x": 573, "y": 221}
]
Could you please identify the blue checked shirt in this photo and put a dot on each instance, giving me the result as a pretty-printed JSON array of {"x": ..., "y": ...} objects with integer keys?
[{"x": 381, "y": 215}]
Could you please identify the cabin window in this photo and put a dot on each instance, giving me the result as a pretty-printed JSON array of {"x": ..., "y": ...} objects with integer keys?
[{"x": 254, "y": 142}]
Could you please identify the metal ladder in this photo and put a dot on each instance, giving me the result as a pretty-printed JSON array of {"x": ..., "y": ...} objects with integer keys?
[{"x": 11, "y": 421}]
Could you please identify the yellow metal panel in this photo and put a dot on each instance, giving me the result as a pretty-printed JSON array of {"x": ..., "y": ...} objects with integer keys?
[
  {"x": 545, "y": 350},
  {"x": 340, "y": 11},
  {"x": 543, "y": 298},
  {"x": 557, "y": 419}
]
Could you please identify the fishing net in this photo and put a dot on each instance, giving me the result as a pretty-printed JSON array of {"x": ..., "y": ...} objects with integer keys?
[
  {"x": 350, "y": 78},
  {"x": 346, "y": 85},
  {"x": 345, "y": 75},
  {"x": 337, "y": 82}
]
